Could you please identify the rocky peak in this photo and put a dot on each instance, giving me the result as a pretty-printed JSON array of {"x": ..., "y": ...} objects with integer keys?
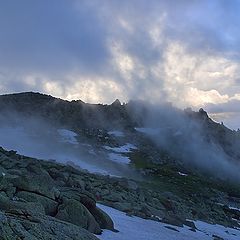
[
  {"x": 116, "y": 103},
  {"x": 203, "y": 112}
]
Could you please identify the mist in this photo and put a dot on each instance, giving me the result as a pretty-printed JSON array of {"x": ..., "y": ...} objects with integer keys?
[
  {"x": 38, "y": 138},
  {"x": 186, "y": 137}
]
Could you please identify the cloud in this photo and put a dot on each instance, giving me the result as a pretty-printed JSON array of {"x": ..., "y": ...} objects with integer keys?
[
  {"x": 229, "y": 106},
  {"x": 186, "y": 52},
  {"x": 50, "y": 37}
]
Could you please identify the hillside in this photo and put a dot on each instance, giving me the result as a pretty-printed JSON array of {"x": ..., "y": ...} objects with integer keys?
[
  {"x": 90, "y": 118},
  {"x": 172, "y": 166}
]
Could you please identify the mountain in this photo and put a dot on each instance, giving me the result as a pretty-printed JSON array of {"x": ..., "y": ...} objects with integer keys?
[
  {"x": 80, "y": 116},
  {"x": 74, "y": 114},
  {"x": 175, "y": 167}
]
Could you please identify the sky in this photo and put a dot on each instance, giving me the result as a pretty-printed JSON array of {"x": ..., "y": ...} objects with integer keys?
[{"x": 182, "y": 51}]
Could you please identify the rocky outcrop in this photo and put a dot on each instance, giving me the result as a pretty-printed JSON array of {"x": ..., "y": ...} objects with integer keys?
[
  {"x": 34, "y": 204},
  {"x": 21, "y": 224},
  {"x": 46, "y": 200}
]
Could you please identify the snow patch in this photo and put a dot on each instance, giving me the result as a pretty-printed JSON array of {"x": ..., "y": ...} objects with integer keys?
[
  {"x": 136, "y": 228},
  {"x": 157, "y": 217},
  {"x": 116, "y": 133},
  {"x": 67, "y": 136},
  {"x": 234, "y": 208},
  {"x": 182, "y": 174},
  {"x": 218, "y": 230},
  {"x": 118, "y": 158},
  {"x": 122, "y": 149}
]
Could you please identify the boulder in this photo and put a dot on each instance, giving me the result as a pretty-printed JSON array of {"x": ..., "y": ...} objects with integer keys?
[
  {"x": 76, "y": 213},
  {"x": 49, "y": 205},
  {"x": 122, "y": 206},
  {"x": 114, "y": 197},
  {"x": 173, "y": 220},
  {"x": 102, "y": 218},
  {"x": 17, "y": 224},
  {"x": 7, "y": 204},
  {"x": 86, "y": 198},
  {"x": 40, "y": 183}
]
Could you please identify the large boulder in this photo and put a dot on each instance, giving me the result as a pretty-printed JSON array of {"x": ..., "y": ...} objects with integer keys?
[
  {"x": 85, "y": 197},
  {"x": 102, "y": 218},
  {"x": 88, "y": 201},
  {"x": 7, "y": 204},
  {"x": 49, "y": 205},
  {"x": 38, "y": 182},
  {"x": 16, "y": 224},
  {"x": 76, "y": 213}
]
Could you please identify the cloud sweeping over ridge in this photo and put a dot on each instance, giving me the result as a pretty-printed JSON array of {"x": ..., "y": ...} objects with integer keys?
[{"x": 186, "y": 52}]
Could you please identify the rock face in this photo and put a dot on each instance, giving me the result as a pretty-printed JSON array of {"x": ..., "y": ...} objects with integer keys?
[
  {"x": 34, "y": 205},
  {"x": 20, "y": 224}
]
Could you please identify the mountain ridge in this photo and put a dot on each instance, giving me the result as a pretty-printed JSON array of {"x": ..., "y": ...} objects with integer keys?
[
  {"x": 76, "y": 114},
  {"x": 161, "y": 163}
]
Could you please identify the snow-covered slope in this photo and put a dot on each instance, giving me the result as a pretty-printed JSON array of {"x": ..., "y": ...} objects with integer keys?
[{"x": 137, "y": 228}]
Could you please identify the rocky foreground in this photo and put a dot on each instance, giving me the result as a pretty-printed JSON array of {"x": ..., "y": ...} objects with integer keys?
[
  {"x": 46, "y": 200},
  {"x": 39, "y": 201}
]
